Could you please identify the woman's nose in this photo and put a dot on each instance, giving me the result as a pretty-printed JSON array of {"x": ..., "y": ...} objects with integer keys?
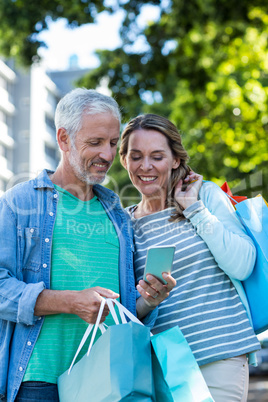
[{"x": 146, "y": 164}]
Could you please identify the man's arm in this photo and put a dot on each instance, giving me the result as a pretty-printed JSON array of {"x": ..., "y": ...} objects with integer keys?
[{"x": 84, "y": 303}]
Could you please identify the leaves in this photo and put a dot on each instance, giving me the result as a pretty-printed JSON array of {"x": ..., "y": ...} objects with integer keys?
[
  {"x": 205, "y": 66},
  {"x": 22, "y": 20}
]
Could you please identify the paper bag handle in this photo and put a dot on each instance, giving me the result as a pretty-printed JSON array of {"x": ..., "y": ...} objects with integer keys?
[
  {"x": 110, "y": 303},
  {"x": 88, "y": 332}
]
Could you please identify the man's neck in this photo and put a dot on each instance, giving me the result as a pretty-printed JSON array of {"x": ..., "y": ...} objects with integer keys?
[{"x": 66, "y": 180}]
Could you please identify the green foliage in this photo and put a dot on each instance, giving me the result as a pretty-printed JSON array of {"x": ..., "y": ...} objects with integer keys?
[
  {"x": 204, "y": 66},
  {"x": 22, "y": 20}
]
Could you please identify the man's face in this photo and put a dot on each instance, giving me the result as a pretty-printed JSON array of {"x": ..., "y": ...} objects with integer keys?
[{"x": 94, "y": 148}]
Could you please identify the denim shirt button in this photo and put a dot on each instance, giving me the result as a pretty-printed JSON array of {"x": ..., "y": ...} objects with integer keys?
[
  {"x": 29, "y": 343},
  {"x": 51, "y": 213},
  {"x": 47, "y": 240},
  {"x": 55, "y": 195},
  {"x": 32, "y": 230},
  {"x": 44, "y": 265},
  {"x": 20, "y": 369}
]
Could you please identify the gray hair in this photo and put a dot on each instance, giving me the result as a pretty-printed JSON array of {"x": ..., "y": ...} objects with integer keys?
[{"x": 79, "y": 102}]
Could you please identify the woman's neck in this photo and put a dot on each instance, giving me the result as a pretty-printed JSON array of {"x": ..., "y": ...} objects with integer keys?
[{"x": 149, "y": 205}]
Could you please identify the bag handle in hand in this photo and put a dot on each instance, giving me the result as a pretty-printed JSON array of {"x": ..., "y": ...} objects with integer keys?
[
  {"x": 123, "y": 311},
  {"x": 88, "y": 332}
]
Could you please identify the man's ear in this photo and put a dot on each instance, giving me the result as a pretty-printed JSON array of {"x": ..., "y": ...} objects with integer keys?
[{"x": 63, "y": 140}]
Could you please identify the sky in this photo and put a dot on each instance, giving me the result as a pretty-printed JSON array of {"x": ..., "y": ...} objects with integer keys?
[{"x": 63, "y": 42}]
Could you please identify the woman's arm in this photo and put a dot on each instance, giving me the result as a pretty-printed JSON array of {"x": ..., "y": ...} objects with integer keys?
[
  {"x": 153, "y": 293},
  {"x": 217, "y": 224}
]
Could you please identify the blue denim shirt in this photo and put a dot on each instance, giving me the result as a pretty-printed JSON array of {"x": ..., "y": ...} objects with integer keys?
[{"x": 27, "y": 217}]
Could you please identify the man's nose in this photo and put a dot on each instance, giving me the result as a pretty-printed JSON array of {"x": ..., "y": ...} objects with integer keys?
[{"x": 107, "y": 153}]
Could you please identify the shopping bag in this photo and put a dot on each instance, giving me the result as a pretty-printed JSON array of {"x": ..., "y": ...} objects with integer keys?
[
  {"x": 116, "y": 368},
  {"x": 234, "y": 198},
  {"x": 177, "y": 376},
  {"x": 253, "y": 214}
]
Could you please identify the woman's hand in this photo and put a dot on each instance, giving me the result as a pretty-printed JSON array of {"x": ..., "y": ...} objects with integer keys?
[
  {"x": 186, "y": 192},
  {"x": 153, "y": 293}
]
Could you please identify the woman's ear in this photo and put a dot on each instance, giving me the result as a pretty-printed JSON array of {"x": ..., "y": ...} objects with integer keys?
[
  {"x": 176, "y": 163},
  {"x": 124, "y": 162}
]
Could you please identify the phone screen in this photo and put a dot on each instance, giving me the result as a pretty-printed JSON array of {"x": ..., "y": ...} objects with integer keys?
[{"x": 158, "y": 260}]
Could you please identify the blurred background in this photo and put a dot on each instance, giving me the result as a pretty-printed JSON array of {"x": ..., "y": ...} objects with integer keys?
[{"x": 202, "y": 64}]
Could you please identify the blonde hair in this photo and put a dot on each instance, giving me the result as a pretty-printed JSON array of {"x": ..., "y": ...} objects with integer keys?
[{"x": 170, "y": 131}]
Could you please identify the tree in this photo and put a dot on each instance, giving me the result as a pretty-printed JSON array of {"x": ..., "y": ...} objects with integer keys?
[
  {"x": 22, "y": 21},
  {"x": 204, "y": 65}
]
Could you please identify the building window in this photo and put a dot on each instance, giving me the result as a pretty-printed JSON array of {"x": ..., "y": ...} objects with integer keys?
[
  {"x": 4, "y": 151},
  {"x": 50, "y": 122},
  {"x": 2, "y": 185},
  {"x": 3, "y": 83},
  {"x": 3, "y": 116},
  {"x": 52, "y": 100},
  {"x": 51, "y": 152}
]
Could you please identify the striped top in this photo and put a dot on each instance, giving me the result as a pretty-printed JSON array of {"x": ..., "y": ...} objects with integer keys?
[
  {"x": 85, "y": 254},
  {"x": 204, "y": 303}
]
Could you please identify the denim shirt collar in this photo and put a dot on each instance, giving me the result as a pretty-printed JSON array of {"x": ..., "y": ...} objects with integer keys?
[
  {"x": 103, "y": 193},
  {"x": 43, "y": 180}
]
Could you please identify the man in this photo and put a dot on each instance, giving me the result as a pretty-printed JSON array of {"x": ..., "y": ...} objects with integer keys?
[{"x": 65, "y": 243}]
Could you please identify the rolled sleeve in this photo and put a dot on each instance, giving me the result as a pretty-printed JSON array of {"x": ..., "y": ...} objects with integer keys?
[{"x": 27, "y": 303}]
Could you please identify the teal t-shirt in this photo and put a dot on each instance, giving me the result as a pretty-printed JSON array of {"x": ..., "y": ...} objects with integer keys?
[{"x": 85, "y": 253}]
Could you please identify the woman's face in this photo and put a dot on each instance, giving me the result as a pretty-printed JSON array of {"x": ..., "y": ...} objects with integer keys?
[{"x": 149, "y": 162}]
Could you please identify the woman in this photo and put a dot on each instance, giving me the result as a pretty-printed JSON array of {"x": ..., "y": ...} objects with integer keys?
[{"x": 213, "y": 253}]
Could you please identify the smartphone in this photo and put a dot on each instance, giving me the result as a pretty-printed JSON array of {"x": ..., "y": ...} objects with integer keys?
[{"x": 159, "y": 259}]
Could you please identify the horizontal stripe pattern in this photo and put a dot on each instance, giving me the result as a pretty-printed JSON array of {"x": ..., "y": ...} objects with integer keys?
[{"x": 204, "y": 303}]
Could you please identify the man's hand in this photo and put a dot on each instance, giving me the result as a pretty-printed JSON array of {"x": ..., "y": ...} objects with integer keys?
[
  {"x": 87, "y": 303},
  {"x": 153, "y": 293},
  {"x": 84, "y": 303}
]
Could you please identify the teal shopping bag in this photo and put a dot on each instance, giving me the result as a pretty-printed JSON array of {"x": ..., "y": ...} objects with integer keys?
[
  {"x": 117, "y": 367},
  {"x": 253, "y": 214},
  {"x": 177, "y": 377}
]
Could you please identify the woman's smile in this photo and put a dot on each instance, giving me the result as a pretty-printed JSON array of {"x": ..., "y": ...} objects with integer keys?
[
  {"x": 148, "y": 178},
  {"x": 149, "y": 162}
]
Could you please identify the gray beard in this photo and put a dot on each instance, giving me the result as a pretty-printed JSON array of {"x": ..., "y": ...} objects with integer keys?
[{"x": 81, "y": 173}]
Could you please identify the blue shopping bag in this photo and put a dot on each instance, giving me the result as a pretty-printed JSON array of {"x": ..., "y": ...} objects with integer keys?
[
  {"x": 116, "y": 368},
  {"x": 253, "y": 214},
  {"x": 177, "y": 376}
]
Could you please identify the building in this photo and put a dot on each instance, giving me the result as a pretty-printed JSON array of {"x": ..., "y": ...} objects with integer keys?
[
  {"x": 28, "y": 100},
  {"x": 7, "y": 112}
]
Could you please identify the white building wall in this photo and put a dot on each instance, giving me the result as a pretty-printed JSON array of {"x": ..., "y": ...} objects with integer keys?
[
  {"x": 28, "y": 99},
  {"x": 44, "y": 96},
  {"x": 7, "y": 111}
]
